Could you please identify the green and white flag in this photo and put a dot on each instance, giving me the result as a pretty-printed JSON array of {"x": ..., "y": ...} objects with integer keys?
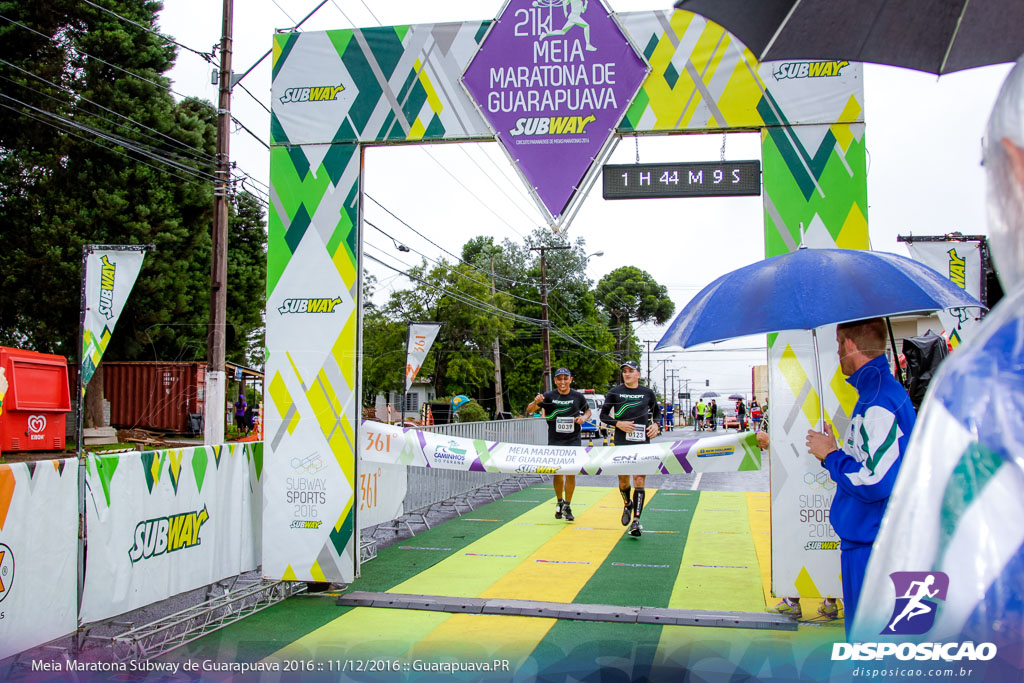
[{"x": 110, "y": 274}]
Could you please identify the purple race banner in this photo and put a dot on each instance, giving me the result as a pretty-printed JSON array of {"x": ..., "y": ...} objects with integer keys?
[{"x": 554, "y": 78}]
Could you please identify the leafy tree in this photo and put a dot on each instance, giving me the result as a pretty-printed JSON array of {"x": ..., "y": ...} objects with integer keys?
[
  {"x": 458, "y": 297},
  {"x": 629, "y": 294},
  {"x": 579, "y": 336},
  {"x": 94, "y": 149}
]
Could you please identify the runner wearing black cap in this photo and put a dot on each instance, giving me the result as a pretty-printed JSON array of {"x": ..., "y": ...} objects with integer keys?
[
  {"x": 565, "y": 410},
  {"x": 633, "y": 411}
]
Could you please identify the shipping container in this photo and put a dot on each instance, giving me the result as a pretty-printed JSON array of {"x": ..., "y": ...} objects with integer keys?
[{"x": 154, "y": 395}]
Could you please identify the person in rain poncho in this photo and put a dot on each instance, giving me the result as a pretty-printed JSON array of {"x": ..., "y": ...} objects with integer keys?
[{"x": 956, "y": 518}]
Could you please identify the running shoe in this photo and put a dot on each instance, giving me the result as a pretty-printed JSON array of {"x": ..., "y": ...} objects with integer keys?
[
  {"x": 791, "y": 608},
  {"x": 829, "y": 609},
  {"x": 558, "y": 509},
  {"x": 567, "y": 511},
  {"x": 634, "y": 529},
  {"x": 627, "y": 514}
]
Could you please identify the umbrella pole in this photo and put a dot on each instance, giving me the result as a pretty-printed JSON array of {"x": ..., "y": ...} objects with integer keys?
[
  {"x": 817, "y": 368},
  {"x": 895, "y": 353}
]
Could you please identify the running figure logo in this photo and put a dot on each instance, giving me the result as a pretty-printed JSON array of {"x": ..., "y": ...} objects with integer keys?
[
  {"x": 914, "y": 612},
  {"x": 573, "y": 11}
]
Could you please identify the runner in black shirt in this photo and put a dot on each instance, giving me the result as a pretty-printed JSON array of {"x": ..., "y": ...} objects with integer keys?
[
  {"x": 565, "y": 410},
  {"x": 633, "y": 411}
]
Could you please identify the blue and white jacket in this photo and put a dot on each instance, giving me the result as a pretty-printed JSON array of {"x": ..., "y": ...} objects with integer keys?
[{"x": 865, "y": 468}]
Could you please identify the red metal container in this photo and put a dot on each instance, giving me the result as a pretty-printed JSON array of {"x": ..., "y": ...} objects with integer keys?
[
  {"x": 36, "y": 402},
  {"x": 154, "y": 395}
]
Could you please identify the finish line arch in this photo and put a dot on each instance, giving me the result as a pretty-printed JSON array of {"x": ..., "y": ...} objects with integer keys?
[{"x": 336, "y": 92}]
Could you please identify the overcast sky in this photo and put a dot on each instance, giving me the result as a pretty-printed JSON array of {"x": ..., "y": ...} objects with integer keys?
[{"x": 924, "y": 175}]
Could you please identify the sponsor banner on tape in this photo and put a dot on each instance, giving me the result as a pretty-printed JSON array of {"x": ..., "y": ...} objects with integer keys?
[{"x": 384, "y": 443}]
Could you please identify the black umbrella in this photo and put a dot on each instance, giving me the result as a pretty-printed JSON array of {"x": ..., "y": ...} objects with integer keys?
[
  {"x": 937, "y": 36},
  {"x": 736, "y": 397},
  {"x": 709, "y": 394}
]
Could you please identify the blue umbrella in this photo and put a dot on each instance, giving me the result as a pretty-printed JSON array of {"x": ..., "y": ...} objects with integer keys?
[{"x": 808, "y": 288}]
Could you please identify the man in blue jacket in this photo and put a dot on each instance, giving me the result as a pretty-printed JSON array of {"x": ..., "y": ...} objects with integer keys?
[{"x": 865, "y": 465}]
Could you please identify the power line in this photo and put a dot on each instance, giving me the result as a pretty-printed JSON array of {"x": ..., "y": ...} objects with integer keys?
[
  {"x": 256, "y": 99},
  {"x": 267, "y": 53},
  {"x": 134, "y": 75},
  {"x": 246, "y": 129},
  {"x": 94, "y": 142},
  {"x": 97, "y": 59},
  {"x": 439, "y": 263},
  {"x": 512, "y": 281},
  {"x": 471, "y": 193},
  {"x": 351, "y": 23},
  {"x": 209, "y": 157},
  {"x": 483, "y": 305},
  {"x": 282, "y": 11},
  {"x": 371, "y": 12},
  {"x": 110, "y": 137},
  {"x": 208, "y": 56},
  {"x": 463, "y": 298}
]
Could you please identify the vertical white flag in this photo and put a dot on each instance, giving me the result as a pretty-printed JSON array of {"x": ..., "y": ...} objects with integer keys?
[
  {"x": 961, "y": 263},
  {"x": 110, "y": 274},
  {"x": 421, "y": 338}
]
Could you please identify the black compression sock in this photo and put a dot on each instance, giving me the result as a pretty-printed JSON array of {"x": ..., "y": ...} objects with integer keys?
[
  {"x": 638, "y": 501},
  {"x": 625, "y": 495}
]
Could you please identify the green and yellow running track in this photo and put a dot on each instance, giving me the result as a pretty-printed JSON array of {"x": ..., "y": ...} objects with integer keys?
[{"x": 699, "y": 551}]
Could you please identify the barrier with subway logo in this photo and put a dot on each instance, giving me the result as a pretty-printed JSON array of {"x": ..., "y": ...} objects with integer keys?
[
  {"x": 38, "y": 549},
  {"x": 163, "y": 522}
]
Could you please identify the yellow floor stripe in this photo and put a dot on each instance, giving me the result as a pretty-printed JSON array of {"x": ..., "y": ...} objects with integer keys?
[
  {"x": 740, "y": 523},
  {"x": 484, "y": 637},
  {"x": 759, "y": 513},
  {"x": 557, "y": 570},
  {"x": 364, "y": 632},
  {"x": 720, "y": 569},
  {"x": 499, "y": 552},
  {"x": 392, "y": 632},
  {"x": 587, "y": 540}
]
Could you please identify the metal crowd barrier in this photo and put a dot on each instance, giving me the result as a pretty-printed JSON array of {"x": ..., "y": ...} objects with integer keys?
[{"x": 429, "y": 487}]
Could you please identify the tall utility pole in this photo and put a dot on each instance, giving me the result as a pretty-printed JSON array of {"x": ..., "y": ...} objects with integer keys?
[
  {"x": 664, "y": 378},
  {"x": 499, "y": 401},
  {"x": 686, "y": 390},
  {"x": 649, "y": 342},
  {"x": 545, "y": 325},
  {"x": 672, "y": 377},
  {"x": 214, "y": 403}
]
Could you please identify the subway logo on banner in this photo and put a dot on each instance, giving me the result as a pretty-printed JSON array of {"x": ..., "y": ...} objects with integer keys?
[
  {"x": 552, "y": 125},
  {"x": 309, "y": 305},
  {"x": 166, "y": 534},
  {"x": 107, "y": 287},
  {"x": 323, "y": 93},
  {"x": 824, "y": 69},
  {"x": 957, "y": 269}
]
